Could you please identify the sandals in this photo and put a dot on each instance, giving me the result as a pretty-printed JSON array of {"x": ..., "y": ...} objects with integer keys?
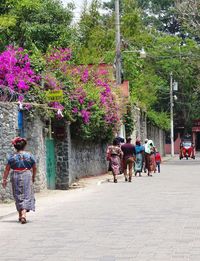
[{"x": 23, "y": 220}]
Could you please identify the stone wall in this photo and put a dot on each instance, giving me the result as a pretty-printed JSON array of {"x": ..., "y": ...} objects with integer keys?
[
  {"x": 33, "y": 132},
  {"x": 158, "y": 137},
  {"x": 8, "y": 130},
  {"x": 86, "y": 159},
  {"x": 144, "y": 129},
  {"x": 140, "y": 129},
  {"x": 62, "y": 154}
]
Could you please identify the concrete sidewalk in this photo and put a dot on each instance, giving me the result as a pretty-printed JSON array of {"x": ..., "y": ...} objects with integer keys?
[{"x": 8, "y": 209}]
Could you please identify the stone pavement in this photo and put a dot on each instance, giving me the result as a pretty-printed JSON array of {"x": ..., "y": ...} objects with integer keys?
[{"x": 153, "y": 218}]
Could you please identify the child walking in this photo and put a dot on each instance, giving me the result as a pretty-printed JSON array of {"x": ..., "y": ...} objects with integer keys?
[{"x": 158, "y": 160}]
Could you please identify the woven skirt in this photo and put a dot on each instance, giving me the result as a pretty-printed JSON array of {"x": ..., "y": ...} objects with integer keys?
[{"x": 22, "y": 187}]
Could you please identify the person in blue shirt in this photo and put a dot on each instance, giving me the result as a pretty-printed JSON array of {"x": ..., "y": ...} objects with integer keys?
[
  {"x": 139, "y": 150},
  {"x": 22, "y": 166}
]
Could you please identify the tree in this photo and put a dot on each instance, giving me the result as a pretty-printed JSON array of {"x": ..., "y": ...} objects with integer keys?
[
  {"x": 189, "y": 13},
  {"x": 34, "y": 24},
  {"x": 96, "y": 36},
  {"x": 168, "y": 56}
]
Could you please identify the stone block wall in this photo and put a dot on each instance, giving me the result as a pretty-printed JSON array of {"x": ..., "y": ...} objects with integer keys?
[
  {"x": 86, "y": 159},
  {"x": 158, "y": 137},
  {"x": 33, "y": 132},
  {"x": 8, "y": 131},
  {"x": 62, "y": 154},
  {"x": 140, "y": 130}
]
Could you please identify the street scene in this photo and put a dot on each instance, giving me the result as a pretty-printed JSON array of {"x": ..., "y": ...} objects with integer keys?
[
  {"x": 99, "y": 130},
  {"x": 152, "y": 218}
]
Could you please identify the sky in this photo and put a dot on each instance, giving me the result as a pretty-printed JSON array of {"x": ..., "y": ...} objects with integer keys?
[{"x": 78, "y": 4}]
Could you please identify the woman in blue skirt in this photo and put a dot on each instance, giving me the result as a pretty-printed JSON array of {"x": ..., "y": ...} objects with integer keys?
[
  {"x": 23, "y": 171},
  {"x": 139, "y": 150}
]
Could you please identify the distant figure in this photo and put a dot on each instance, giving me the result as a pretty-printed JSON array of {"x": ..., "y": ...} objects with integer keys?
[
  {"x": 150, "y": 157},
  {"x": 181, "y": 150},
  {"x": 158, "y": 160},
  {"x": 139, "y": 150},
  {"x": 120, "y": 143},
  {"x": 128, "y": 158},
  {"x": 23, "y": 173},
  {"x": 145, "y": 157},
  {"x": 114, "y": 156}
]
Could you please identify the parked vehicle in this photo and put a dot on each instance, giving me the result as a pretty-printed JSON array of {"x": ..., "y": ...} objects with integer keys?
[{"x": 187, "y": 150}]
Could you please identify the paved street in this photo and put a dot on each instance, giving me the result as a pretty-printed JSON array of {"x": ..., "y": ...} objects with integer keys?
[{"x": 154, "y": 219}]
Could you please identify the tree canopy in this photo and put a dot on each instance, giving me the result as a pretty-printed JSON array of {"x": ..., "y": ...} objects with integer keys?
[{"x": 35, "y": 24}]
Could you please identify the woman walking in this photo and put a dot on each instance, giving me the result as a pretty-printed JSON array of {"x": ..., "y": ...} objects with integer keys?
[
  {"x": 23, "y": 172},
  {"x": 150, "y": 157},
  {"x": 139, "y": 150},
  {"x": 114, "y": 155}
]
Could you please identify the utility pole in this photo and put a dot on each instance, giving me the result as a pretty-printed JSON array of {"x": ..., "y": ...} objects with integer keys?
[
  {"x": 118, "y": 44},
  {"x": 172, "y": 114}
]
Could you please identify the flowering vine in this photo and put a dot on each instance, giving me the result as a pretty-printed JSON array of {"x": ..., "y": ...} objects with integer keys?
[
  {"x": 16, "y": 73},
  {"x": 89, "y": 99}
]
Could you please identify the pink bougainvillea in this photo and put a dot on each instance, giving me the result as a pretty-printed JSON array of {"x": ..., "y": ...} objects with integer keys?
[
  {"x": 59, "y": 55},
  {"x": 88, "y": 96},
  {"x": 15, "y": 70}
]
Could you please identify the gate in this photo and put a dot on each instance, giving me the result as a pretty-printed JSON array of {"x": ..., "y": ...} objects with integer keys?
[{"x": 51, "y": 169}]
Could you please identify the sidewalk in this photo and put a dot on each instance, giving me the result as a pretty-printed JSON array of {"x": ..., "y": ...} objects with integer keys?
[{"x": 7, "y": 209}]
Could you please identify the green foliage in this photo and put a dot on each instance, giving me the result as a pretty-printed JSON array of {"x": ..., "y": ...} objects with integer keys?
[
  {"x": 128, "y": 120},
  {"x": 38, "y": 23},
  {"x": 95, "y": 43},
  {"x": 159, "y": 119},
  {"x": 189, "y": 15},
  {"x": 168, "y": 56},
  {"x": 156, "y": 5}
]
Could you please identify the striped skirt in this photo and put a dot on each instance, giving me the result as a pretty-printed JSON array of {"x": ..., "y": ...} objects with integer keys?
[{"x": 22, "y": 187}]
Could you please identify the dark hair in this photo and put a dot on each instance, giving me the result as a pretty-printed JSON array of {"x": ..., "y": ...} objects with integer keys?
[
  {"x": 120, "y": 139},
  {"x": 138, "y": 142},
  {"x": 20, "y": 145},
  {"x": 115, "y": 142},
  {"x": 128, "y": 139}
]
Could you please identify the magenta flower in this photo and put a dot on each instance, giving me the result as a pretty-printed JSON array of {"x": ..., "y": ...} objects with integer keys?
[
  {"x": 85, "y": 76},
  {"x": 85, "y": 116},
  {"x": 15, "y": 70},
  {"x": 75, "y": 110}
]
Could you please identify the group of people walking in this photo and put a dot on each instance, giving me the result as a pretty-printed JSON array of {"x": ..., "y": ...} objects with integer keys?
[
  {"x": 128, "y": 158},
  {"x": 122, "y": 157}
]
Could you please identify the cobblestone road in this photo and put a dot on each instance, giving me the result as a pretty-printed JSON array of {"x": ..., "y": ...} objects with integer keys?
[{"x": 154, "y": 219}]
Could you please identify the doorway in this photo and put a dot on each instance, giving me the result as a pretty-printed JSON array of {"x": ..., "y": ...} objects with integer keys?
[
  {"x": 198, "y": 141},
  {"x": 51, "y": 163}
]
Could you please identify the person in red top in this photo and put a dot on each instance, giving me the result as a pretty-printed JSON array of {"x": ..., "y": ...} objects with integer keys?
[{"x": 158, "y": 160}]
